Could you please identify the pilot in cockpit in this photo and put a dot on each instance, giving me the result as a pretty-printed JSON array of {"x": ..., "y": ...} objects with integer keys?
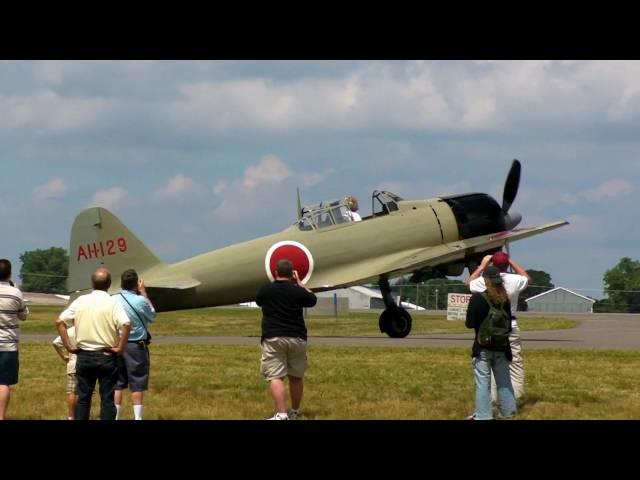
[{"x": 351, "y": 214}]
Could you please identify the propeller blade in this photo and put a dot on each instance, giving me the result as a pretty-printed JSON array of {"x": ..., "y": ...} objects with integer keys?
[{"x": 511, "y": 186}]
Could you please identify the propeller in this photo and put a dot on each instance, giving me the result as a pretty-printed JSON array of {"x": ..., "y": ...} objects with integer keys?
[{"x": 509, "y": 195}]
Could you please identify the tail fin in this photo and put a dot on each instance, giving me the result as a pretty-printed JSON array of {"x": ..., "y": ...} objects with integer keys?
[{"x": 98, "y": 238}]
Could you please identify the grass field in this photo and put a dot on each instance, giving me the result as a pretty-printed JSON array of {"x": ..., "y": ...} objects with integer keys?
[
  {"x": 246, "y": 322},
  {"x": 223, "y": 382}
]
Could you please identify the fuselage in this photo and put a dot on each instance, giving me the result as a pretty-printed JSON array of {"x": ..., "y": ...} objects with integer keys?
[{"x": 234, "y": 274}]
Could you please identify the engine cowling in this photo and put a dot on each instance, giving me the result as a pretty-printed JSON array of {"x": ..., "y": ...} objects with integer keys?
[{"x": 476, "y": 214}]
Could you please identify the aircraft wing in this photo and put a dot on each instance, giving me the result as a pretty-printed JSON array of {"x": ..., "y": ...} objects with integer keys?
[{"x": 410, "y": 260}]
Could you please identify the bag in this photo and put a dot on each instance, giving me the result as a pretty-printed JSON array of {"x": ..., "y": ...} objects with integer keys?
[
  {"x": 146, "y": 341},
  {"x": 494, "y": 329}
]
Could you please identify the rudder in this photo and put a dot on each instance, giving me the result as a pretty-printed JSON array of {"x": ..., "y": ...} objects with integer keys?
[{"x": 99, "y": 238}]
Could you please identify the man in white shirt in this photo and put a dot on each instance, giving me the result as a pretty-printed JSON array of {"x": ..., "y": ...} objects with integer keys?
[
  {"x": 352, "y": 214},
  {"x": 12, "y": 311},
  {"x": 514, "y": 283},
  {"x": 102, "y": 331}
]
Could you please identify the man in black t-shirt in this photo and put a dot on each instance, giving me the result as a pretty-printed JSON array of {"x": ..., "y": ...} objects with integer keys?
[{"x": 284, "y": 337}]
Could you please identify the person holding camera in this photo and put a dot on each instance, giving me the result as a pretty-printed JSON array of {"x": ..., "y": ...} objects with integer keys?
[
  {"x": 284, "y": 337},
  {"x": 12, "y": 311},
  {"x": 514, "y": 284},
  {"x": 135, "y": 363},
  {"x": 489, "y": 313}
]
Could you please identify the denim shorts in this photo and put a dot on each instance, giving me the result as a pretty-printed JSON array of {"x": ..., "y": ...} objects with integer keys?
[{"x": 133, "y": 368}]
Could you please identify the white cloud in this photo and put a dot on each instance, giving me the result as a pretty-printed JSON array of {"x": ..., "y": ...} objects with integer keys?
[
  {"x": 254, "y": 195},
  {"x": 425, "y": 96},
  {"x": 111, "y": 198},
  {"x": 609, "y": 190},
  {"x": 270, "y": 169},
  {"x": 46, "y": 111},
  {"x": 178, "y": 188},
  {"x": 432, "y": 96},
  {"x": 54, "y": 188}
]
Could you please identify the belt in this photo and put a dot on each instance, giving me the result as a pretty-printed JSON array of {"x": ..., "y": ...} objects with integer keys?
[{"x": 95, "y": 352}]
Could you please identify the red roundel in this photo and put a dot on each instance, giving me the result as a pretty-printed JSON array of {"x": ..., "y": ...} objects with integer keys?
[{"x": 290, "y": 250}]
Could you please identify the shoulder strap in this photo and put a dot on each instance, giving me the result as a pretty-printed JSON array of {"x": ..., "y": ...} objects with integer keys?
[
  {"x": 486, "y": 298},
  {"x": 137, "y": 314}
]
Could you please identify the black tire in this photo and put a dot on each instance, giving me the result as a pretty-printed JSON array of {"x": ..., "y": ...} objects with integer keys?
[
  {"x": 395, "y": 322},
  {"x": 384, "y": 322}
]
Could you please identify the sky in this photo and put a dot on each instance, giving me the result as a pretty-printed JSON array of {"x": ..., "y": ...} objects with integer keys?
[{"x": 194, "y": 156}]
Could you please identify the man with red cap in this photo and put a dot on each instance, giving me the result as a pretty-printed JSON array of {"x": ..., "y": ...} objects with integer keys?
[{"x": 514, "y": 283}]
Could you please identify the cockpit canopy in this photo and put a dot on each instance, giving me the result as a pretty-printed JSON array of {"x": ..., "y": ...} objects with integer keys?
[
  {"x": 324, "y": 214},
  {"x": 334, "y": 212},
  {"x": 383, "y": 202}
]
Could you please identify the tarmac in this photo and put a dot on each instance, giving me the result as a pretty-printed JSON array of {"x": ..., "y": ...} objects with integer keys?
[{"x": 594, "y": 331}]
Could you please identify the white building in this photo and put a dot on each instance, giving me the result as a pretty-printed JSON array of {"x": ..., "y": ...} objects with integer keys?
[
  {"x": 361, "y": 298},
  {"x": 560, "y": 300}
]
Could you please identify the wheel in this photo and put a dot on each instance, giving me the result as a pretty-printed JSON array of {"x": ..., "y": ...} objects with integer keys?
[{"x": 395, "y": 322}]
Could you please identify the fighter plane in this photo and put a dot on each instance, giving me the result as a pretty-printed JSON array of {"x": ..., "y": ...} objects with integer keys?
[{"x": 399, "y": 237}]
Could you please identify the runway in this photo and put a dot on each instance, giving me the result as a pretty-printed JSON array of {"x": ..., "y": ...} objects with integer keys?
[{"x": 594, "y": 331}]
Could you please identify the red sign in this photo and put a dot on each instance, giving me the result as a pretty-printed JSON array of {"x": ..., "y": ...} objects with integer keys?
[
  {"x": 456, "y": 299},
  {"x": 101, "y": 249}
]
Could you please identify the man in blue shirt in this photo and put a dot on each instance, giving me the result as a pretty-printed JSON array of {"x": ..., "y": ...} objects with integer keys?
[{"x": 133, "y": 366}]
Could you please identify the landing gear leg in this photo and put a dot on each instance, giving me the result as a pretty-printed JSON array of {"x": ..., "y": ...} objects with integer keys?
[{"x": 395, "y": 321}]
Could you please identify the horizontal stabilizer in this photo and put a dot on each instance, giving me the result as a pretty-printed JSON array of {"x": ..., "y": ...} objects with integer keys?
[{"x": 175, "y": 283}]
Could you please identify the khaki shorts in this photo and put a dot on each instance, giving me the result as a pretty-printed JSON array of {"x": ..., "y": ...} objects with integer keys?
[
  {"x": 72, "y": 383},
  {"x": 282, "y": 356}
]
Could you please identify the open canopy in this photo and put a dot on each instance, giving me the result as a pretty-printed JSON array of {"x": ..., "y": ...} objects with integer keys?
[{"x": 334, "y": 212}]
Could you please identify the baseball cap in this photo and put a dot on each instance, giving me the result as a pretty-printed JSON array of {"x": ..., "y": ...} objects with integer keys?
[
  {"x": 500, "y": 259},
  {"x": 492, "y": 274}
]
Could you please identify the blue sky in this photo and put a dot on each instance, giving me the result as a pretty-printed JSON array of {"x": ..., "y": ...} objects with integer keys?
[{"x": 198, "y": 155}]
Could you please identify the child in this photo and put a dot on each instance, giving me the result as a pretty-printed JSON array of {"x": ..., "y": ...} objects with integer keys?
[{"x": 72, "y": 380}]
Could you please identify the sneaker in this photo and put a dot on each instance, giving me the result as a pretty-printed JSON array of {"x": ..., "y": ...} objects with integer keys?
[
  {"x": 293, "y": 414},
  {"x": 471, "y": 417},
  {"x": 279, "y": 416}
]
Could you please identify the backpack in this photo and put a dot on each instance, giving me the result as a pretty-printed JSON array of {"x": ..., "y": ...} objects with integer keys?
[{"x": 494, "y": 329}]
